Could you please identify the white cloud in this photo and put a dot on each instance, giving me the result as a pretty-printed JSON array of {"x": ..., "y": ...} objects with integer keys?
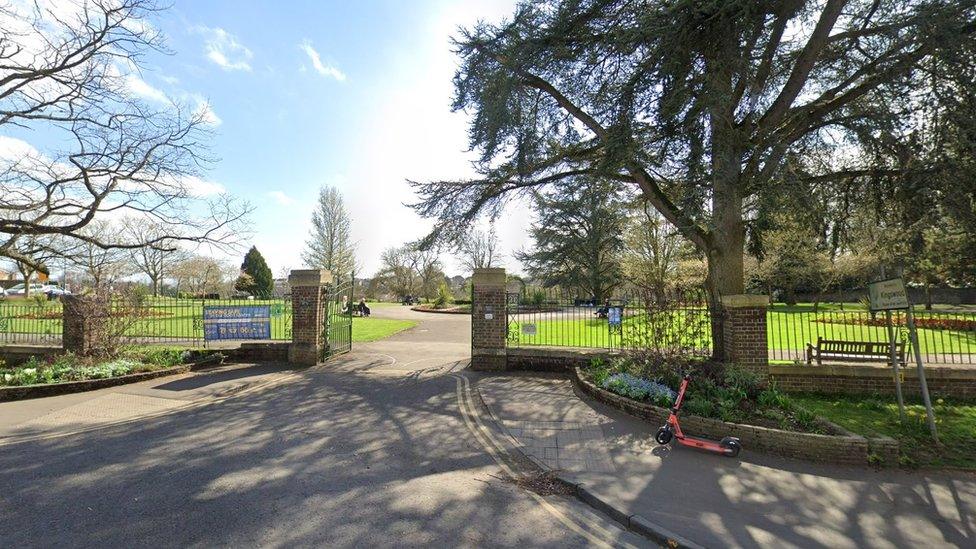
[
  {"x": 200, "y": 188},
  {"x": 224, "y": 50},
  {"x": 140, "y": 88},
  {"x": 282, "y": 198},
  {"x": 13, "y": 149},
  {"x": 316, "y": 59}
]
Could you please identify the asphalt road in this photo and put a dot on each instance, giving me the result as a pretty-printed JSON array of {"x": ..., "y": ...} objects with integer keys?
[{"x": 376, "y": 448}]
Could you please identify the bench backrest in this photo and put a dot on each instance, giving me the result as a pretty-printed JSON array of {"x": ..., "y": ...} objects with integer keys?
[{"x": 858, "y": 348}]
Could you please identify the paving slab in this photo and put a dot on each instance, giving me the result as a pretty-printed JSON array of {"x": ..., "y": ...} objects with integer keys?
[
  {"x": 67, "y": 413},
  {"x": 753, "y": 501}
]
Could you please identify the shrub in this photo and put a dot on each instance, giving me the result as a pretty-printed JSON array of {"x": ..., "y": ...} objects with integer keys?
[
  {"x": 444, "y": 296},
  {"x": 772, "y": 398},
  {"x": 744, "y": 380},
  {"x": 160, "y": 356},
  {"x": 537, "y": 298},
  {"x": 700, "y": 407},
  {"x": 599, "y": 371}
]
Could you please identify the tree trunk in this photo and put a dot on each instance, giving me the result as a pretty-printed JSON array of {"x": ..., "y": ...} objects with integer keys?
[
  {"x": 790, "y": 295},
  {"x": 727, "y": 243}
]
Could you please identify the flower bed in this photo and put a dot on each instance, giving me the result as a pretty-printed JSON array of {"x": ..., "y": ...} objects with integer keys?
[
  {"x": 838, "y": 447},
  {"x": 726, "y": 394},
  {"x": 929, "y": 323},
  {"x": 67, "y": 373}
]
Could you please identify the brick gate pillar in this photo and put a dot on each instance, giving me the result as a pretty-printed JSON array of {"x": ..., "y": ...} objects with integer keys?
[
  {"x": 85, "y": 319},
  {"x": 744, "y": 332},
  {"x": 309, "y": 293},
  {"x": 489, "y": 321}
]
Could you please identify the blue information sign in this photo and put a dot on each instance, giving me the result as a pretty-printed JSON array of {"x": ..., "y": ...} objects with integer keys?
[
  {"x": 614, "y": 315},
  {"x": 236, "y": 322}
]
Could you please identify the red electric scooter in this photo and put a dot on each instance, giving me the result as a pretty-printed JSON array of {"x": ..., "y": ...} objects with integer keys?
[{"x": 728, "y": 446}]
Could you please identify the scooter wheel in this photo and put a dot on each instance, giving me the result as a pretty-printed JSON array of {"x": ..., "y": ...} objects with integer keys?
[
  {"x": 731, "y": 446},
  {"x": 663, "y": 436}
]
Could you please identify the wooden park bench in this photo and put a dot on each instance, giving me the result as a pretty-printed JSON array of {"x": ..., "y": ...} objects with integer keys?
[{"x": 853, "y": 351}]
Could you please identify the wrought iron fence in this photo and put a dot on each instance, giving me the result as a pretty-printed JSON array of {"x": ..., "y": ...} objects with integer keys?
[
  {"x": 151, "y": 320},
  {"x": 177, "y": 320},
  {"x": 30, "y": 322},
  {"x": 945, "y": 336},
  {"x": 676, "y": 321}
]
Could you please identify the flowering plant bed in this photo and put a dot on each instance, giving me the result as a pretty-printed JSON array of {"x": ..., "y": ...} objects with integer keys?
[
  {"x": 68, "y": 373},
  {"x": 69, "y": 367},
  {"x": 838, "y": 446},
  {"x": 726, "y": 394},
  {"x": 930, "y": 323}
]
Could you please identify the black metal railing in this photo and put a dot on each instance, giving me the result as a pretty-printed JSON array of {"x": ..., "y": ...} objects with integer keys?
[
  {"x": 674, "y": 321},
  {"x": 30, "y": 322},
  {"x": 148, "y": 320},
  {"x": 946, "y": 336}
]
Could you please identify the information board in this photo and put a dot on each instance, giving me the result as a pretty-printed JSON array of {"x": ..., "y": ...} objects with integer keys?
[
  {"x": 236, "y": 322},
  {"x": 888, "y": 294},
  {"x": 615, "y": 316}
]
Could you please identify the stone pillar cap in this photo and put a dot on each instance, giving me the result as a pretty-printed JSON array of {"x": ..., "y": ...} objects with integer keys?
[
  {"x": 745, "y": 301},
  {"x": 309, "y": 277},
  {"x": 490, "y": 276}
]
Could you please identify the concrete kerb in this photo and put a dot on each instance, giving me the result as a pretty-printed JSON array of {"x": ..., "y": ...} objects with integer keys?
[{"x": 634, "y": 522}]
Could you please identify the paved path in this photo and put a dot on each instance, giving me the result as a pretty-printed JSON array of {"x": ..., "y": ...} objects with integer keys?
[
  {"x": 54, "y": 416},
  {"x": 381, "y": 447},
  {"x": 720, "y": 502}
]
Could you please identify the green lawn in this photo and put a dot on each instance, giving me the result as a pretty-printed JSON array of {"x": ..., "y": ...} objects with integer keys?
[
  {"x": 956, "y": 423},
  {"x": 374, "y": 329},
  {"x": 788, "y": 328}
]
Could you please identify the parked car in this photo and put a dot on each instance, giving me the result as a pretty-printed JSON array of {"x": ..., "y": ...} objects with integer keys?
[
  {"x": 21, "y": 289},
  {"x": 52, "y": 291},
  {"x": 55, "y": 292}
]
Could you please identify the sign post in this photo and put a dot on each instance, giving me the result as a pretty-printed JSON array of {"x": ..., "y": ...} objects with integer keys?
[{"x": 886, "y": 295}]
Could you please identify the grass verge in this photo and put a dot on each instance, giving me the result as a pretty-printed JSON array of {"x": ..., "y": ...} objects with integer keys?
[{"x": 872, "y": 416}]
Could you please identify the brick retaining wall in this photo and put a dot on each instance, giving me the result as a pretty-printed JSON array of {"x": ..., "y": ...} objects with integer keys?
[
  {"x": 867, "y": 380},
  {"x": 552, "y": 359}
]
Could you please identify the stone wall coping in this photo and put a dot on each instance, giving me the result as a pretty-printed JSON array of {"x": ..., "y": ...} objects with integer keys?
[
  {"x": 745, "y": 301},
  {"x": 309, "y": 277},
  {"x": 868, "y": 371},
  {"x": 561, "y": 352},
  {"x": 493, "y": 276}
]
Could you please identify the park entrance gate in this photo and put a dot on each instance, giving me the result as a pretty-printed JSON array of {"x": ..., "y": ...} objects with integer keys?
[{"x": 339, "y": 307}]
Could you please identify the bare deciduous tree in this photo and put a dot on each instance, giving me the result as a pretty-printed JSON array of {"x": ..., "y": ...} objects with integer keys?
[
  {"x": 102, "y": 267},
  {"x": 479, "y": 250},
  {"x": 152, "y": 260},
  {"x": 67, "y": 69}
]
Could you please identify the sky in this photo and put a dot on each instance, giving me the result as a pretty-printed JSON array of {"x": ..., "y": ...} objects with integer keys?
[{"x": 303, "y": 94}]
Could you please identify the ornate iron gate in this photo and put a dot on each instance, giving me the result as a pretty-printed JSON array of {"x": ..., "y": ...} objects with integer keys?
[{"x": 339, "y": 305}]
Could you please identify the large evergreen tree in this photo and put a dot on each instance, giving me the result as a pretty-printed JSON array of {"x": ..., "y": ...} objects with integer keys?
[
  {"x": 257, "y": 268},
  {"x": 701, "y": 106},
  {"x": 330, "y": 245},
  {"x": 578, "y": 237}
]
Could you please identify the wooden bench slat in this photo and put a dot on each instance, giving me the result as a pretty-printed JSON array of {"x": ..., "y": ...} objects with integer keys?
[{"x": 867, "y": 351}]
